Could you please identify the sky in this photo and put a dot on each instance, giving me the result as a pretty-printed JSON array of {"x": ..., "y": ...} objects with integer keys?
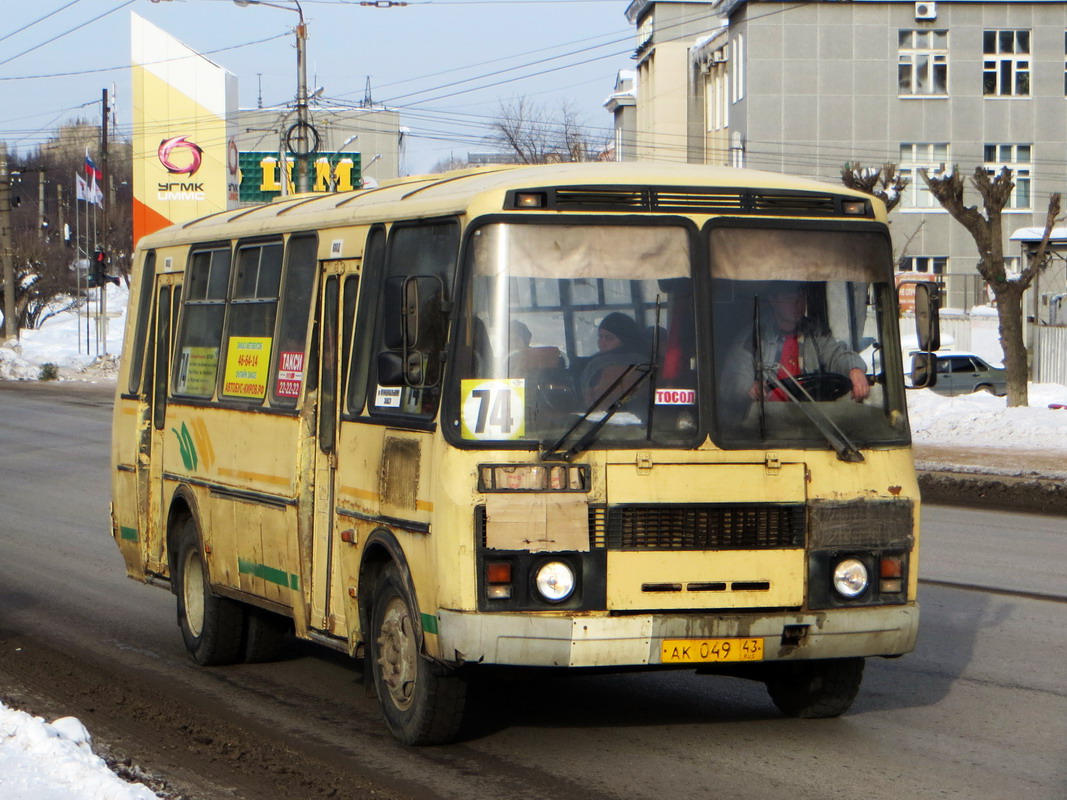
[
  {"x": 445, "y": 64},
  {"x": 54, "y": 761}
]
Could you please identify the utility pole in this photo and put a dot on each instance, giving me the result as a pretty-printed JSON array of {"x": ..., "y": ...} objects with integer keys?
[
  {"x": 105, "y": 172},
  {"x": 7, "y": 255},
  {"x": 41, "y": 223}
]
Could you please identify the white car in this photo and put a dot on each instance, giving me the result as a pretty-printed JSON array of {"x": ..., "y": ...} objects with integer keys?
[{"x": 966, "y": 373}]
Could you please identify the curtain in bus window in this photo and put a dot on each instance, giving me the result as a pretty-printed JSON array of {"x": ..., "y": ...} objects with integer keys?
[
  {"x": 197, "y": 357},
  {"x": 250, "y": 338},
  {"x": 290, "y": 358}
]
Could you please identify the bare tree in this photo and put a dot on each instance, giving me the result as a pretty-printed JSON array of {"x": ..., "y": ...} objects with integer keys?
[
  {"x": 539, "y": 137},
  {"x": 883, "y": 182},
  {"x": 986, "y": 228}
]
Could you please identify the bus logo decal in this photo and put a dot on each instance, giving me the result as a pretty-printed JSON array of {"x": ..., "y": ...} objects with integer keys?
[{"x": 186, "y": 447}]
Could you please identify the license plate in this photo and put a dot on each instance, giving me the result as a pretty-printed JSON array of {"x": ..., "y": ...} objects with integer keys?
[{"x": 703, "y": 651}]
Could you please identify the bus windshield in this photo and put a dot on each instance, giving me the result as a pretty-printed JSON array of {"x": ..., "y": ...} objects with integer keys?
[
  {"x": 804, "y": 338},
  {"x": 565, "y": 321}
]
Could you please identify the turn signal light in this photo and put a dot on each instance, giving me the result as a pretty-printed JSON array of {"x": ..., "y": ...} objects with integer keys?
[
  {"x": 498, "y": 580},
  {"x": 891, "y": 573},
  {"x": 498, "y": 573}
]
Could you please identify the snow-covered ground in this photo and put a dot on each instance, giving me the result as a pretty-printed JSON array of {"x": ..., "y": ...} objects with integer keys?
[
  {"x": 42, "y": 761},
  {"x": 54, "y": 761}
]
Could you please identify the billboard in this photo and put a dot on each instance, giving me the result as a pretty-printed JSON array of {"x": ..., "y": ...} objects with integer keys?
[
  {"x": 260, "y": 181},
  {"x": 185, "y": 162}
]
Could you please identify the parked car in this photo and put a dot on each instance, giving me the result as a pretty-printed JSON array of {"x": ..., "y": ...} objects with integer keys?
[{"x": 965, "y": 373}]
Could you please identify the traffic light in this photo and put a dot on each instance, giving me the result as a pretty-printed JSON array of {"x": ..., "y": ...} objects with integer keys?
[{"x": 98, "y": 269}]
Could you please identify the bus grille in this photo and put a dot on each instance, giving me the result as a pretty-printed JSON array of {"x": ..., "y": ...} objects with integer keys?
[
  {"x": 684, "y": 200},
  {"x": 725, "y": 526},
  {"x": 720, "y": 526}
]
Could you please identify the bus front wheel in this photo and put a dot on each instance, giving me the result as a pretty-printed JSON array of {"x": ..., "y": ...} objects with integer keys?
[
  {"x": 422, "y": 702},
  {"x": 211, "y": 626},
  {"x": 815, "y": 689}
]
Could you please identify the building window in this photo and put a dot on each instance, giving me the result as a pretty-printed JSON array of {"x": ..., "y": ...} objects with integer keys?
[
  {"x": 1017, "y": 158},
  {"x": 1006, "y": 64},
  {"x": 933, "y": 157},
  {"x": 922, "y": 63},
  {"x": 932, "y": 265},
  {"x": 738, "y": 59}
]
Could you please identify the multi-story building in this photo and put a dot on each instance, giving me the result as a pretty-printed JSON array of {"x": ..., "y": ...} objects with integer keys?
[{"x": 805, "y": 88}]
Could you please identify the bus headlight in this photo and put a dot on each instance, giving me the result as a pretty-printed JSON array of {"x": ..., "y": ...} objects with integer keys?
[
  {"x": 555, "y": 581},
  {"x": 850, "y": 578}
]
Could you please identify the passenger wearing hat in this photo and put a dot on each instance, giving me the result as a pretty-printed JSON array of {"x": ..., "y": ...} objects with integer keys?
[{"x": 620, "y": 344}]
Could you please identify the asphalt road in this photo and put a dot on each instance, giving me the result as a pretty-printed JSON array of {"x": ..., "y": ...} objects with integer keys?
[{"x": 978, "y": 711}]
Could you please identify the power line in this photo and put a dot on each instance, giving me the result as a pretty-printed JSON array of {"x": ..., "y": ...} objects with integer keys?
[{"x": 59, "y": 36}]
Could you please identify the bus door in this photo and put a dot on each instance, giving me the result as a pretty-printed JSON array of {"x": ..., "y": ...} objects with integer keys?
[
  {"x": 167, "y": 301},
  {"x": 337, "y": 299}
]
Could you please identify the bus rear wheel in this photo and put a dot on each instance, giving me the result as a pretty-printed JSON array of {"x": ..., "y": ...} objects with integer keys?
[
  {"x": 212, "y": 626},
  {"x": 422, "y": 702},
  {"x": 815, "y": 689}
]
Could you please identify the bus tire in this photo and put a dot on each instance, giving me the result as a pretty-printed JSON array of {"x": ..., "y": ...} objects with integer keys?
[
  {"x": 422, "y": 702},
  {"x": 815, "y": 689},
  {"x": 265, "y": 634},
  {"x": 212, "y": 626}
]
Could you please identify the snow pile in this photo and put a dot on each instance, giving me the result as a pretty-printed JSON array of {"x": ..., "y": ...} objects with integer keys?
[
  {"x": 41, "y": 761},
  {"x": 982, "y": 420},
  {"x": 63, "y": 340}
]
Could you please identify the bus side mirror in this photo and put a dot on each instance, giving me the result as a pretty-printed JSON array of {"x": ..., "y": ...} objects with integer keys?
[
  {"x": 927, "y": 316},
  {"x": 923, "y": 371},
  {"x": 390, "y": 369},
  {"x": 394, "y": 323},
  {"x": 413, "y": 329}
]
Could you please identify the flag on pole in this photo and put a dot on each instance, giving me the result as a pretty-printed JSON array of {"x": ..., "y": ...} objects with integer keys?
[
  {"x": 81, "y": 189},
  {"x": 94, "y": 194},
  {"x": 90, "y": 168}
]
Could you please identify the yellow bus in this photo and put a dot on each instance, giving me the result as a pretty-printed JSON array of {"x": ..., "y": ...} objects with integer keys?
[{"x": 568, "y": 416}]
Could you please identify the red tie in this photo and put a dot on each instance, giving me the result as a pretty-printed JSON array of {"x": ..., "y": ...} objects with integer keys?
[{"x": 790, "y": 364}]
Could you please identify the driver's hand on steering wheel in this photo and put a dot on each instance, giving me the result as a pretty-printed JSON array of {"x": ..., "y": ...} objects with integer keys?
[{"x": 860, "y": 388}]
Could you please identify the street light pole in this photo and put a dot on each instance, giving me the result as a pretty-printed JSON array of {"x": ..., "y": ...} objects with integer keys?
[
  {"x": 303, "y": 184},
  {"x": 297, "y": 135}
]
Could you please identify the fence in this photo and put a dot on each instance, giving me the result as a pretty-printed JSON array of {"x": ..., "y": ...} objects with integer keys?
[{"x": 1048, "y": 358}]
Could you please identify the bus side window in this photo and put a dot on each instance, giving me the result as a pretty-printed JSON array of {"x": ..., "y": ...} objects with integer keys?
[
  {"x": 421, "y": 265},
  {"x": 144, "y": 314},
  {"x": 159, "y": 373},
  {"x": 373, "y": 266},
  {"x": 250, "y": 324},
  {"x": 196, "y": 360},
  {"x": 290, "y": 357}
]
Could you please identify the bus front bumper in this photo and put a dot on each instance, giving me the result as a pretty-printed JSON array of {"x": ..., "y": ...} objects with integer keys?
[{"x": 637, "y": 639}]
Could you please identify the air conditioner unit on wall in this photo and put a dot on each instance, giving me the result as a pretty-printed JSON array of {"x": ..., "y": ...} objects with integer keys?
[{"x": 926, "y": 10}]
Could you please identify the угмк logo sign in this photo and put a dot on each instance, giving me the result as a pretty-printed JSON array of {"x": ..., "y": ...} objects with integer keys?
[{"x": 185, "y": 151}]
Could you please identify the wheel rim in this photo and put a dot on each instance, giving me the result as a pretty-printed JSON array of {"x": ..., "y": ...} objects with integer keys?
[
  {"x": 193, "y": 591},
  {"x": 398, "y": 653}
]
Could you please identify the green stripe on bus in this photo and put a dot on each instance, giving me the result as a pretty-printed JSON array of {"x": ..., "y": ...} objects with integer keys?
[
  {"x": 128, "y": 534},
  {"x": 278, "y": 576},
  {"x": 429, "y": 623}
]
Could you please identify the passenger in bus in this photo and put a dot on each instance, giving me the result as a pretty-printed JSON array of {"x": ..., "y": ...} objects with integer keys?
[
  {"x": 620, "y": 344},
  {"x": 524, "y": 359},
  {"x": 793, "y": 343}
]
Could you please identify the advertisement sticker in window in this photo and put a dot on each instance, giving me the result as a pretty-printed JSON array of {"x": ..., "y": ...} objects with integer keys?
[{"x": 247, "y": 365}]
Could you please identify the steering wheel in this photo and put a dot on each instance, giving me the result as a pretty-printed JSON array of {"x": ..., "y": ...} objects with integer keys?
[{"x": 822, "y": 386}]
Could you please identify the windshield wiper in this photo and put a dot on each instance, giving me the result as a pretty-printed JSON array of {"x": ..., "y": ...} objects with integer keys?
[
  {"x": 556, "y": 452},
  {"x": 845, "y": 449}
]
